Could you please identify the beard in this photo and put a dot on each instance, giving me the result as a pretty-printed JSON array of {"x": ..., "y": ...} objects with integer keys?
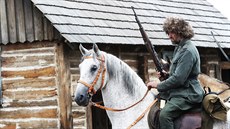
[{"x": 175, "y": 42}]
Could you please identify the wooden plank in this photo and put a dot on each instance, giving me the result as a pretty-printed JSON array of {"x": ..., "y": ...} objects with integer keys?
[
  {"x": 39, "y": 124},
  {"x": 89, "y": 117},
  {"x": 80, "y": 124},
  {"x": 29, "y": 83},
  {"x": 57, "y": 35},
  {"x": 74, "y": 63},
  {"x": 4, "y": 25},
  {"x": 28, "y": 10},
  {"x": 1, "y": 100},
  {"x": 132, "y": 63},
  {"x": 143, "y": 68},
  {"x": 45, "y": 21},
  {"x": 65, "y": 100},
  {"x": 34, "y": 73},
  {"x": 8, "y": 126},
  {"x": 26, "y": 61},
  {"x": 21, "y": 34},
  {"x": 79, "y": 114},
  {"x": 29, "y": 94},
  {"x": 50, "y": 30},
  {"x": 30, "y": 103},
  {"x": 38, "y": 24},
  {"x": 31, "y": 51},
  {"x": 225, "y": 65},
  {"x": 11, "y": 20},
  {"x": 24, "y": 46},
  {"x": 30, "y": 124},
  {"x": 28, "y": 113}
]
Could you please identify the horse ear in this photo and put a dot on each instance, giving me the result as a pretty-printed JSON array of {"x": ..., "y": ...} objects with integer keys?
[
  {"x": 83, "y": 50},
  {"x": 96, "y": 49}
]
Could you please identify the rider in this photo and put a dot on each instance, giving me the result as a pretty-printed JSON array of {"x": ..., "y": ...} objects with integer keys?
[{"x": 181, "y": 89}]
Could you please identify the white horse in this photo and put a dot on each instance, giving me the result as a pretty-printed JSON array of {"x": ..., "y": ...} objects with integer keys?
[{"x": 120, "y": 87}]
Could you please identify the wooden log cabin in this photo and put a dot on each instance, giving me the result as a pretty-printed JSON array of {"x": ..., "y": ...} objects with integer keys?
[{"x": 39, "y": 52}]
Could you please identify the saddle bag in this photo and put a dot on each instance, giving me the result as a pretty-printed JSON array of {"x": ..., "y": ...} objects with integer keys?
[{"x": 214, "y": 106}]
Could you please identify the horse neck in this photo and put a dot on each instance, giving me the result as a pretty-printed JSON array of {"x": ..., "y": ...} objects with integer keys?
[{"x": 124, "y": 86}]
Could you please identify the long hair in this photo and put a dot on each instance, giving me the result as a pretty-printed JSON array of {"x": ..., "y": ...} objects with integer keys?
[{"x": 178, "y": 26}]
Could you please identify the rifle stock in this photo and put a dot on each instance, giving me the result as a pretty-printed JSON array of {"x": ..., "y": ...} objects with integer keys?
[{"x": 150, "y": 48}]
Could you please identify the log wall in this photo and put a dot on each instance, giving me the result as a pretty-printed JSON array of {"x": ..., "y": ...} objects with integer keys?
[{"x": 31, "y": 86}]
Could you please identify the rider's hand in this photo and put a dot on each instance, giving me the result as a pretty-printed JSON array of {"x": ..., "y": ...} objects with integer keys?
[
  {"x": 152, "y": 84},
  {"x": 161, "y": 78},
  {"x": 159, "y": 74}
]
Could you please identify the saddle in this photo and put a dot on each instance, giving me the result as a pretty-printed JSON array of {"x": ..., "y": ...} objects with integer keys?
[{"x": 190, "y": 120}]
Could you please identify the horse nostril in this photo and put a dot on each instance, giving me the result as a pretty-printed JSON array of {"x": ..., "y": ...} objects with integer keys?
[{"x": 80, "y": 98}]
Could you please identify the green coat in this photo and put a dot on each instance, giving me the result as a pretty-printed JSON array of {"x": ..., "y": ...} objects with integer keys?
[{"x": 182, "y": 81}]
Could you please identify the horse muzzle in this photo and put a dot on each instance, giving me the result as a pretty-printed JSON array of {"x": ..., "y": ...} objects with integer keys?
[{"x": 82, "y": 96}]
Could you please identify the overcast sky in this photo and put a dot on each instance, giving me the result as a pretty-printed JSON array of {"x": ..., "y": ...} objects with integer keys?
[{"x": 223, "y": 6}]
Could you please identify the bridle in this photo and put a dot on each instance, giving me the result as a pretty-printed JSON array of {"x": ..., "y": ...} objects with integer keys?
[{"x": 102, "y": 70}]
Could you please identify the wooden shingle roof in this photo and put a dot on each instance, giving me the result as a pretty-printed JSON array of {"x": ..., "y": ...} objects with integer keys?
[{"x": 113, "y": 22}]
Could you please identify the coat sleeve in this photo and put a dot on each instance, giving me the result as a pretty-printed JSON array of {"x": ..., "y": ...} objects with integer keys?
[{"x": 178, "y": 78}]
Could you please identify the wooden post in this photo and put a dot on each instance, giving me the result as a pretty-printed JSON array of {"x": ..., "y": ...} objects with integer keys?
[
  {"x": 89, "y": 117},
  {"x": 143, "y": 68},
  {"x": 0, "y": 77},
  {"x": 4, "y": 24},
  {"x": 64, "y": 95},
  {"x": 10, "y": 4},
  {"x": 28, "y": 12}
]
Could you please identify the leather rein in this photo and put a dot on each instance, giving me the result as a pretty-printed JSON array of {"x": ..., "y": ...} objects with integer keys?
[{"x": 93, "y": 91}]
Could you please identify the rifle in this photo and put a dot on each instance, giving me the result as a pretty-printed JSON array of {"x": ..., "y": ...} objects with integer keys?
[
  {"x": 218, "y": 44},
  {"x": 150, "y": 48}
]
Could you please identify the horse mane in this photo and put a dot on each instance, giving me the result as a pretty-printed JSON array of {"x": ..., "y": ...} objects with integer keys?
[{"x": 118, "y": 69}]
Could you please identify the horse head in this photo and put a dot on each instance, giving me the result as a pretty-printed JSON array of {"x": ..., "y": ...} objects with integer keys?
[{"x": 92, "y": 74}]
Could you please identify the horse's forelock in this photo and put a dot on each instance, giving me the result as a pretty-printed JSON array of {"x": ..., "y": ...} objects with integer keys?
[{"x": 90, "y": 53}]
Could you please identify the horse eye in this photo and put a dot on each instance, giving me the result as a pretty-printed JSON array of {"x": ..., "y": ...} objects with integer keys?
[{"x": 93, "y": 68}]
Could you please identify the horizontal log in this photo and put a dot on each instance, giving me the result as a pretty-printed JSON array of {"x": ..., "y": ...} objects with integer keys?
[
  {"x": 74, "y": 63},
  {"x": 23, "y": 61},
  {"x": 34, "y": 73},
  {"x": 79, "y": 123},
  {"x": 32, "y": 103},
  {"x": 28, "y": 83},
  {"x": 79, "y": 114},
  {"x": 30, "y": 123},
  {"x": 74, "y": 78},
  {"x": 29, "y": 95},
  {"x": 73, "y": 55},
  {"x": 74, "y": 71},
  {"x": 29, "y": 112},
  {"x": 8, "y": 126},
  {"x": 225, "y": 65},
  {"x": 132, "y": 63},
  {"x": 42, "y": 124},
  {"x": 23, "y": 46},
  {"x": 29, "y": 52}
]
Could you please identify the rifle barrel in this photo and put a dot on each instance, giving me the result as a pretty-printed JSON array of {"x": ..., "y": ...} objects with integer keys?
[{"x": 149, "y": 46}]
